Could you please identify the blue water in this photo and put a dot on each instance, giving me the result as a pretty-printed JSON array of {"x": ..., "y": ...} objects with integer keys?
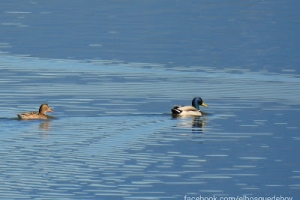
[{"x": 112, "y": 70}]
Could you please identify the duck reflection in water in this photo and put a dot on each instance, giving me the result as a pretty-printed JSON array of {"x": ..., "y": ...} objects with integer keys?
[
  {"x": 45, "y": 128},
  {"x": 46, "y": 125},
  {"x": 198, "y": 122},
  {"x": 185, "y": 122}
]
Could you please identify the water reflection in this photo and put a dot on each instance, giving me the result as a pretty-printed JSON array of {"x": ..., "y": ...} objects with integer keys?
[
  {"x": 190, "y": 121},
  {"x": 46, "y": 125},
  {"x": 199, "y": 122}
]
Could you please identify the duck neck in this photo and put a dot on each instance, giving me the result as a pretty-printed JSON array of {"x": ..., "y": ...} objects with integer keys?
[
  {"x": 42, "y": 111},
  {"x": 195, "y": 104}
]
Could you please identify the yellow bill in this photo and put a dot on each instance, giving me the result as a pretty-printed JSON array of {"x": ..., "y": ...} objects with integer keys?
[{"x": 203, "y": 104}]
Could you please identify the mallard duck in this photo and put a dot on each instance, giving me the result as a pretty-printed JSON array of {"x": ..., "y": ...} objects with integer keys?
[
  {"x": 37, "y": 115},
  {"x": 189, "y": 110}
]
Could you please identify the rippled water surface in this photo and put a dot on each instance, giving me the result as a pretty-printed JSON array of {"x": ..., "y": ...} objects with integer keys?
[
  {"x": 112, "y": 72},
  {"x": 114, "y": 137}
]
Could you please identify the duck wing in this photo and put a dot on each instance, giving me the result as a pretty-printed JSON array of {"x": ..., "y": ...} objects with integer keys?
[
  {"x": 187, "y": 108},
  {"x": 29, "y": 115},
  {"x": 179, "y": 110}
]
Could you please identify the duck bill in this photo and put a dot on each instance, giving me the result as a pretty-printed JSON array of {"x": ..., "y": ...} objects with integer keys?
[
  {"x": 203, "y": 104},
  {"x": 50, "y": 110}
]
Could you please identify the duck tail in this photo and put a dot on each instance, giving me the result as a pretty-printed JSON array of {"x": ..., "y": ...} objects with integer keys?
[
  {"x": 175, "y": 110},
  {"x": 21, "y": 116}
]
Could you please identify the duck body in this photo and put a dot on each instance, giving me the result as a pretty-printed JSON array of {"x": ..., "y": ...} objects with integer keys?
[
  {"x": 32, "y": 115},
  {"x": 189, "y": 110},
  {"x": 186, "y": 111},
  {"x": 37, "y": 115}
]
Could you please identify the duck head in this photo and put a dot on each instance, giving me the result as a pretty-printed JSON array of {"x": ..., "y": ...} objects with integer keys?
[
  {"x": 45, "y": 108},
  {"x": 197, "y": 101}
]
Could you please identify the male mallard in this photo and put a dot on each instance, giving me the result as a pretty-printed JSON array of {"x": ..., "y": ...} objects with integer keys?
[
  {"x": 37, "y": 115},
  {"x": 189, "y": 110}
]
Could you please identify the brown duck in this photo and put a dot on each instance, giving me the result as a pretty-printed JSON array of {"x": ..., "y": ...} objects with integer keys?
[{"x": 37, "y": 115}]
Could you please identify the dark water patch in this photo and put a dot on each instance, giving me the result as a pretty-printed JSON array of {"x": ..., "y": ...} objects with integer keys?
[{"x": 257, "y": 37}]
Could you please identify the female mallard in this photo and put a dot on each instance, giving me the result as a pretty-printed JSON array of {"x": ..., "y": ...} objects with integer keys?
[
  {"x": 189, "y": 110},
  {"x": 37, "y": 115}
]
